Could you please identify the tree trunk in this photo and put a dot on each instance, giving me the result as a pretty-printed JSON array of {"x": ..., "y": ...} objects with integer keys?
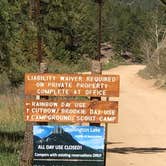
[{"x": 26, "y": 157}]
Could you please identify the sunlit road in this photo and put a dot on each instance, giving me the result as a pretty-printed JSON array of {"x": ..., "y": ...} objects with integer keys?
[{"x": 139, "y": 139}]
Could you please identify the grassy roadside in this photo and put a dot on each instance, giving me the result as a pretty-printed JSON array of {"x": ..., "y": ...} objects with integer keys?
[{"x": 11, "y": 129}]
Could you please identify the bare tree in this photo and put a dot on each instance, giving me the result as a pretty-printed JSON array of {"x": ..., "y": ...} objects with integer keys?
[{"x": 157, "y": 33}]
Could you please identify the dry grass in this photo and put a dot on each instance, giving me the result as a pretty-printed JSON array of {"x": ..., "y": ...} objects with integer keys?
[
  {"x": 11, "y": 129},
  {"x": 156, "y": 66},
  {"x": 11, "y": 113}
]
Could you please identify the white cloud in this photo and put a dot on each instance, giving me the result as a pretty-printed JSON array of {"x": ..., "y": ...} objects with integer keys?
[{"x": 38, "y": 130}]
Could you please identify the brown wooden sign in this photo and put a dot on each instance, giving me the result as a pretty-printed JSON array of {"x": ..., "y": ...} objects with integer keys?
[
  {"x": 71, "y": 85},
  {"x": 71, "y": 111}
]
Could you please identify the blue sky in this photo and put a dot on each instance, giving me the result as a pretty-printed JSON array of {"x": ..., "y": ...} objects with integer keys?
[{"x": 87, "y": 135}]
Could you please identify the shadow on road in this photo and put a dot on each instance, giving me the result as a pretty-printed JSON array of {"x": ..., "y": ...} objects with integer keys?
[
  {"x": 114, "y": 143},
  {"x": 128, "y": 150}
]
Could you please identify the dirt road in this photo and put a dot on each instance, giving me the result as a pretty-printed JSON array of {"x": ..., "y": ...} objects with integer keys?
[{"x": 139, "y": 139}]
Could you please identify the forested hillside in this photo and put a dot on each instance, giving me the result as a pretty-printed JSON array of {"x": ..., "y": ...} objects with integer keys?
[{"x": 68, "y": 33}]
